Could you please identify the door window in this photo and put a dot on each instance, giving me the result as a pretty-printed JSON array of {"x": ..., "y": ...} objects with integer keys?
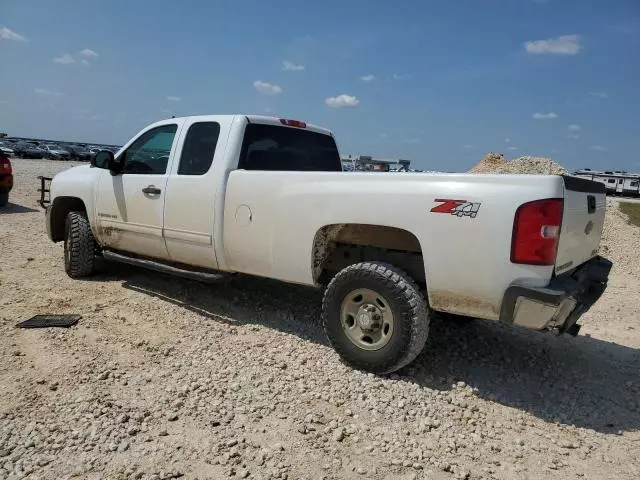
[
  {"x": 149, "y": 153},
  {"x": 199, "y": 148}
]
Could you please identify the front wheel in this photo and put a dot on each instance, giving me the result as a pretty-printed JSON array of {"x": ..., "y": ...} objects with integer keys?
[
  {"x": 375, "y": 317},
  {"x": 79, "y": 246}
]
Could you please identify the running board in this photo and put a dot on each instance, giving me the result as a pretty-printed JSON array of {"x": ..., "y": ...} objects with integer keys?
[{"x": 207, "y": 277}]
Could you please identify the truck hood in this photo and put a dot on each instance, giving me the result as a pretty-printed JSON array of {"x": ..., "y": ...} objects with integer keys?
[{"x": 73, "y": 179}]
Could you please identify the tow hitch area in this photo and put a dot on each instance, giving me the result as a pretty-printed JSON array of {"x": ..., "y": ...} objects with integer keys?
[{"x": 559, "y": 306}]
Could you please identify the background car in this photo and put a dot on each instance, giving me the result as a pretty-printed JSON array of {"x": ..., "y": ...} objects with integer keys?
[
  {"x": 77, "y": 152},
  {"x": 55, "y": 152},
  {"x": 7, "y": 149},
  {"x": 27, "y": 150},
  {"x": 6, "y": 179}
]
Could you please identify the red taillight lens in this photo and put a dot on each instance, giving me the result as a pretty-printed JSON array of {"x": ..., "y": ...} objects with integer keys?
[
  {"x": 5, "y": 166},
  {"x": 536, "y": 231},
  {"x": 293, "y": 123}
]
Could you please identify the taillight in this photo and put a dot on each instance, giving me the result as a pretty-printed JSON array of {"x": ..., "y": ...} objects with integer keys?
[
  {"x": 536, "y": 232},
  {"x": 293, "y": 123},
  {"x": 5, "y": 166}
]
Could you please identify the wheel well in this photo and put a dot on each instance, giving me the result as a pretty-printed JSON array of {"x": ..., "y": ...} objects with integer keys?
[
  {"x": 60, "y": 207},
  {"x": 337, "y": 246}
]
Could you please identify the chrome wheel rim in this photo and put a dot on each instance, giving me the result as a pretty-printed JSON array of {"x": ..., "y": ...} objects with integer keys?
[{"x": 366, "y": 319}]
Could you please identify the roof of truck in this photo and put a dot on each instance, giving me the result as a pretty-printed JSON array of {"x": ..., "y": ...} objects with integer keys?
[{"x": 263, "y": 119}]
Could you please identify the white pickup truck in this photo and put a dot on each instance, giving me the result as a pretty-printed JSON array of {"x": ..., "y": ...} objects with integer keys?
[{"x": 202, "y": 195}]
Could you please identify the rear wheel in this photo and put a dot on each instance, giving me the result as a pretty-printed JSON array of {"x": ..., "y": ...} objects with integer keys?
[
  {"x": 4, "y": 198},
  {"x": 375, "y": 317},
  {"x": 79, "y": 246}
]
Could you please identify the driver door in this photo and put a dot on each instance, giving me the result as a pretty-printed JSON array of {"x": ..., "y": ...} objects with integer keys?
[{"x": 130, "y": 205}]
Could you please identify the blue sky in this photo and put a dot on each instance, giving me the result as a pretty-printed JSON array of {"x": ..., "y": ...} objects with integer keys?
[{"x": 440, "y": 82}]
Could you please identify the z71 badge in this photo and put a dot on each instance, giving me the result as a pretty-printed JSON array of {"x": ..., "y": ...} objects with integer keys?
[{"x": 461, "y": 208}]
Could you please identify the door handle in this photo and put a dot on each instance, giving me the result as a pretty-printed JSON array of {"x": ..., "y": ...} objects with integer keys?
[{"x": 151, "y": 190}]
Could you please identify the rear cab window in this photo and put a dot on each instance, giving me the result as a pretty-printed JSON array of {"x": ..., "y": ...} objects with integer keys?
[
  {"x": 199, "y": 148},
  {"x": 275, "y": 148}
]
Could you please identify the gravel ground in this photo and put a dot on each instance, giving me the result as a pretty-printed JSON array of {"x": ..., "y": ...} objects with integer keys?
[{"x": 167, "y": 378}]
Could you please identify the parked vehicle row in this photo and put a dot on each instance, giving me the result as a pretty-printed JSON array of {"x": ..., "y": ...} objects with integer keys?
[{"x": 52, "y": 151}]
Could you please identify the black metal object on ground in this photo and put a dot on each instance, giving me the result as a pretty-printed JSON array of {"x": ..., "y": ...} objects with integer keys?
[
  {"x": 44, "y": 189},
  {"x": 45, "y": 321}
]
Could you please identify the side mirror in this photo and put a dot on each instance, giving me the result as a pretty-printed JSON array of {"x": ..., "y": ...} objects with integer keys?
[{"x": 105, "y": 159}]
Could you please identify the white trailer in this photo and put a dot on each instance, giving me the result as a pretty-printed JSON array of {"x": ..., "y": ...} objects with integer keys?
[
  {"x": 616, "y": 183},
  {"x": 631, "y": 186}
]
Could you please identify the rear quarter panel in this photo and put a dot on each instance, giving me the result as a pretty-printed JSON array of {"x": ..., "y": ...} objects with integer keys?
[{"x": 271, "y": 219}]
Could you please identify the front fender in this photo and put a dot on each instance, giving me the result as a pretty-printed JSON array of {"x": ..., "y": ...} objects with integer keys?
[{"x": 70, "y": 190}]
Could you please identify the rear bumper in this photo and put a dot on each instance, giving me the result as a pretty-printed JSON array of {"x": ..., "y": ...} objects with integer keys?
[{"x": 559, "y": 305}]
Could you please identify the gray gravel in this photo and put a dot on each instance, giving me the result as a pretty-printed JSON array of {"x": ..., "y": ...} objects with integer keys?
[{"x": 168, "y": 378}]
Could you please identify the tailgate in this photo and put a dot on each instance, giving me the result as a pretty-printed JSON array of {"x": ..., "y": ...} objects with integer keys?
[{"x": 585, "y": 204}]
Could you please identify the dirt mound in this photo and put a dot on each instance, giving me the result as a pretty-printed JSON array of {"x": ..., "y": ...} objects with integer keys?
[
  {"x": 490, "y": 163},
  {"x": 497, "y": 163}
]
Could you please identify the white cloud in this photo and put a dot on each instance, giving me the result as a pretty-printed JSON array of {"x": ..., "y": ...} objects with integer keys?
[
  {"x": 512, "y": 148},
  {"x": 64, "y": 59},
  {"x": 467, "y": 146},
  {"x": 268, "y": 110},
  {"x": 288, "y": 66},
  {"x": 8, "y": 34},
  {"x": 563, "y": 45},
  {"x": 397, "y": 76},
  {"x": 601, "y": 95},
  {"x": 573, "y": 136},
  {"x": 598, "y": 148},
  {"x": 545, "y": 116},
  {"x": 574, "y": 128},
  {"x": 42, "y": 91},
  {"x": 507, "y": 140},
  {"x": 87, "y": 52},
  {"x": 86, "y": 62},
  {"x": 415, "y": 141},
  {"x": 4, "y": 102},
  {"x": 368, "y": 78},
  {"x": 171, "y": 98},
  {"x": 268, "y": 88},
  {"x": 342, "y": 101},
  {"x": 383, "y": 135}
]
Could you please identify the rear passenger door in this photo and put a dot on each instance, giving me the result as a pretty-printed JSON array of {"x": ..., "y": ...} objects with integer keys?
[{"x": 190, "y": 211}]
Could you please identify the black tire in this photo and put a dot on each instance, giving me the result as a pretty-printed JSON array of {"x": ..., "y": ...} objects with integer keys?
[
  {"x": 4, "y": 198},
  {"x": 79, "y": 246},
  {"x": 408, "y": 306}
]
